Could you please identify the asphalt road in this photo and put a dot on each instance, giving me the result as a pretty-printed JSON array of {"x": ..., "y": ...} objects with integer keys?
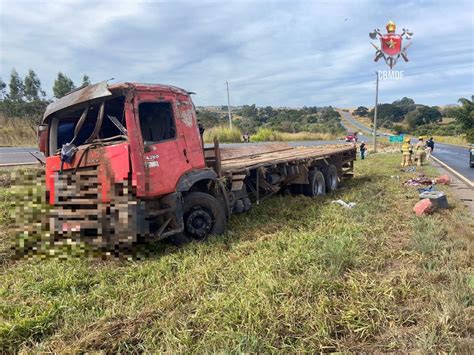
[
  {"x": 363, "y": 129},
  {"x": 456, "y": 157},
  {"x": 19, "y": 155}
]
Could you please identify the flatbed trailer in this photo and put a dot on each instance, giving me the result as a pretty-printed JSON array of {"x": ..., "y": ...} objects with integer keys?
[
  {"x": 267, "y": 168},
  {"x": 245, "y": 158},
  {"x": 127, "y": 161}
]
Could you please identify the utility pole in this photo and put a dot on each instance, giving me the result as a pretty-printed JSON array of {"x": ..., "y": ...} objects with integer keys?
[
  {"x": 375, "y": 110},
  {"x": 228, "y": 105}
]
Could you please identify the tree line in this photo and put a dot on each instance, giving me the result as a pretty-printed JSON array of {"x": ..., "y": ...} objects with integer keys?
[
  {"x": 406, "y": 116},
  {"x": 26, "y": 99},
  {"x": 250, "y": 117}
]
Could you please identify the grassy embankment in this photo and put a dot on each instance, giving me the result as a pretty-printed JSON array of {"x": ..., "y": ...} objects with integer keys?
[
  {"x": 294, "y": 274},
  {"x": 459, "y": 140},
  {"x": 15, "y": 132},
  {"x": 234, "y": 135}
]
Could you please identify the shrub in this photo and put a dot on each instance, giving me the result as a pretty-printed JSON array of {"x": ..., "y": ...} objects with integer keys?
[
  {"x": 223, "y": 134},
  {"x": 307, "y": 136},
  {"x": 266, "y": 134},
  {"x": 398, "y": 128}
]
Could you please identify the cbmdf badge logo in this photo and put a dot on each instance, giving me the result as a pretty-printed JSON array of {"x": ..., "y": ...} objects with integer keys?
[{"x": 391, "y": 44}]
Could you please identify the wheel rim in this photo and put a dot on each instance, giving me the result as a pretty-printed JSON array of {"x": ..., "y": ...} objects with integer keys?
[
  {"x": 333, "y": 180},
  {"x": 317, "y": 187},
  {"x": 199, "y": 223}
]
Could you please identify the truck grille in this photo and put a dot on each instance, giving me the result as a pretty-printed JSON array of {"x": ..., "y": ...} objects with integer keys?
[{"x": 77, "y": 201}]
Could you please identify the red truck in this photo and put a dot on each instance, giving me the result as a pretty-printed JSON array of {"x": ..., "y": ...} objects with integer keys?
[{"x": 127, "y": 161}]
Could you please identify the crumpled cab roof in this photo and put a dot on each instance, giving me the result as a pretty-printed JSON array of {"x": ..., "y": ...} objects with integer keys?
[{"x": 99, "y": 90}]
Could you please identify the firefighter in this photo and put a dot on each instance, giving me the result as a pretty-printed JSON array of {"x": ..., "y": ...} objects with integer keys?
[
  {"x": 420, "y": 153},
  {"x": 407, "y": 151}
]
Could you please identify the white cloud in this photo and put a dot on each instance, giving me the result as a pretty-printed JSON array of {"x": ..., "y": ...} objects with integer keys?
[{"x": 276, "y": 53}]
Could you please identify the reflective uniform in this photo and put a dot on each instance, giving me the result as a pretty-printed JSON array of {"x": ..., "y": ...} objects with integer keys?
[
  {"x": 420, "y": 152},
  {"x": 407, "y": 150}
]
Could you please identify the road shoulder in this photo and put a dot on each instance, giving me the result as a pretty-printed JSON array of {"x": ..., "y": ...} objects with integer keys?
[{"x": 460, "y": 189}]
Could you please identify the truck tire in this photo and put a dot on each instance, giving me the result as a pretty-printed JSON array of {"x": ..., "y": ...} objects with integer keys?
[
  {"x": 316, "y": 185},
  {"x": 330, "y": 176},
  {"x": 203, "y": 215}
]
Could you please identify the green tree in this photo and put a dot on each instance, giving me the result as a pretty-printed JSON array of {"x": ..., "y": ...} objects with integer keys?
[
  {"x": 3, "y": 91},
  {"x": 15, "y": 106},
  {"x": 398, "y": 129},
  {"x": 465, "y": 116},
  {"x": 208, "y": 119},
  {"x": 387, "y": 114},
  {"x": 62, "y": 85},
  {"x": 32, "y": 87},
  {"x": 86, "y": 81},
  {"x": 405, "y": 104},
  {"x": 16, "y": 87},
  {"x": 422, "y": 115},
  {"x": 249, "y": 111},
  {"x": 361, "y": 111}
]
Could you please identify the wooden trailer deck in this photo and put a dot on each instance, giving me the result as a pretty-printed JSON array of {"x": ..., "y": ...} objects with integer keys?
[{"x": 230, "y": 160}]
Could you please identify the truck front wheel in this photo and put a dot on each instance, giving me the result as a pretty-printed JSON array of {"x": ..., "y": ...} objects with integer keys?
[{"x": 203, "y": 215}]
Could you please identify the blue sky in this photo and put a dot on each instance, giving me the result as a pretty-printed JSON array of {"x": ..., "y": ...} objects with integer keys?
[{"x": 279, "y": 53}]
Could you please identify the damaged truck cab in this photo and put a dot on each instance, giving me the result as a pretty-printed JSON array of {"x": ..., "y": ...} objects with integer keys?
[
  {"x": 131, "y": 143},
  {"x": 127, "y": 161}
]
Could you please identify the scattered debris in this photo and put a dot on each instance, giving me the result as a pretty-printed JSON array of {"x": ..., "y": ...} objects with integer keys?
[
  {"x": 425, "y": 189},
  {"x": 423, "y": 207},
  {"x": 437, "y": 198},
  {"x": 410, "y": 169},
  {"x": 420, "y": 180},
  {"x": 394, "y": 176},
  {"x": 443, "y": 179},
  {"x": 344, "y": 204}
]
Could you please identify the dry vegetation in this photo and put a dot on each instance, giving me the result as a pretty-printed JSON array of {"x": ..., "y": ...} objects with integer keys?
[
  {"x": 459, "y": 140},
  {"x": 295, "y": 274},
  {"x": 16, "y": 132}
]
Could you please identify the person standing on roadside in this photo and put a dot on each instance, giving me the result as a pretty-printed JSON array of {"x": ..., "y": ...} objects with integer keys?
[
  {"x": 420, "y": 153},
  {"x": 362, "y": 150},
  {"x": 429, "y": 148},
  {"x": 407, "y": 151}
]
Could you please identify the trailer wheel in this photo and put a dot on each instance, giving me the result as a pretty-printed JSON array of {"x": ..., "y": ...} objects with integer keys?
[
  {"x": 330, "y": 176},
  {"x": 316, "y": 185},
  {"x": 203, "y": 215}
]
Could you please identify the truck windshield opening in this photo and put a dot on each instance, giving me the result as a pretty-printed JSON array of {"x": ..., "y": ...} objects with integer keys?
[{"x": 109, "y": 131}]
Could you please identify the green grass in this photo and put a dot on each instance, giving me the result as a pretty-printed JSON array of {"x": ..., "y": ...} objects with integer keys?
[
  {"x": 268, "y": 135},
  {"x": 263, "y": 134},
  {"x": 223, "y": 134},
  {"x": 294, "y": 274}
]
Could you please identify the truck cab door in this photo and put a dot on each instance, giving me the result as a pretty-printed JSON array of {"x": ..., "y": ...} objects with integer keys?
[{"x": 165, "y": 157}]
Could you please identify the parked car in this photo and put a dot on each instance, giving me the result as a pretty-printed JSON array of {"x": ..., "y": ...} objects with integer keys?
[{"x": 351, "y": 137}]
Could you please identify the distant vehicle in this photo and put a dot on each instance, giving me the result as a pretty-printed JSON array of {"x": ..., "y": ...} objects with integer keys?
[
  {"x": 351, "y": 137},
  {"x": 471, "y": 157}
]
